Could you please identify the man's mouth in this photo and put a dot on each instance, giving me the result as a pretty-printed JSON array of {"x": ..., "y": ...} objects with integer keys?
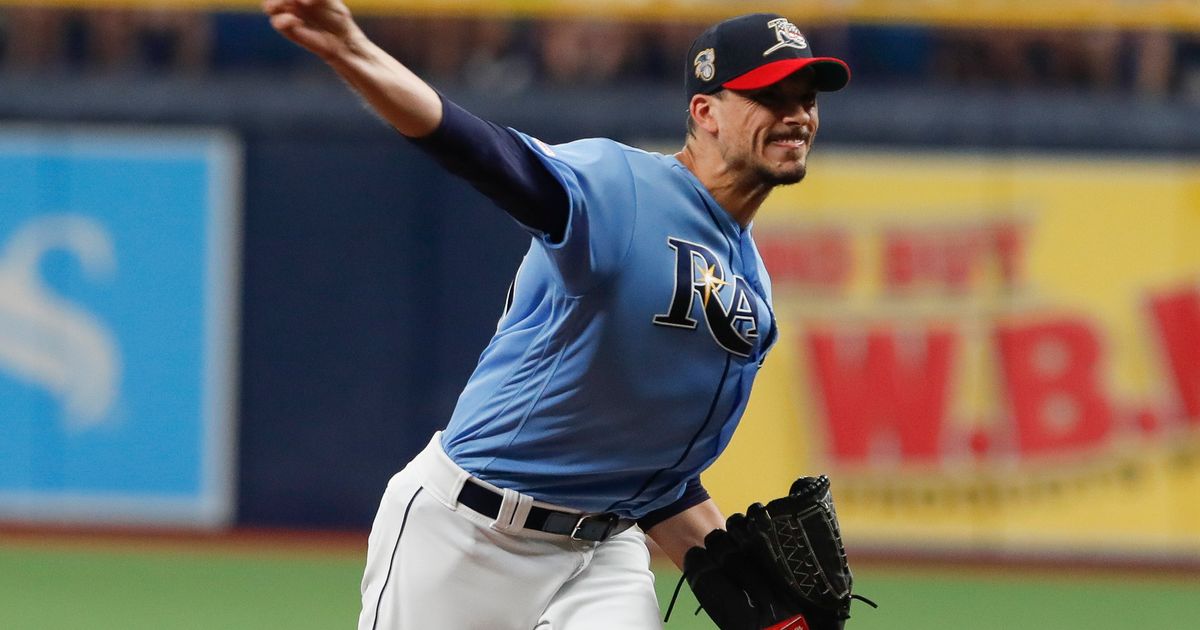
[{"x": 790, "y": 141}]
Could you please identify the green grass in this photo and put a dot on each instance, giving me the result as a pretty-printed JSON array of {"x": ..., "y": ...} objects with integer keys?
[{"x": 131, "y": 589}]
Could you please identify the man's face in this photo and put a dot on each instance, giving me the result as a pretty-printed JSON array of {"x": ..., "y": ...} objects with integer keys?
[{"x": 767, "y": 133}]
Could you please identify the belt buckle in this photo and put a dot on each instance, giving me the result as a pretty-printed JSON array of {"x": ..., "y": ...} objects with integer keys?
[{"x": 609, "y": 520}]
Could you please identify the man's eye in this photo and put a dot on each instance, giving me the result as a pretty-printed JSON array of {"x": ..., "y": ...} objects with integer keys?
[{"x": 770, "y": 97}]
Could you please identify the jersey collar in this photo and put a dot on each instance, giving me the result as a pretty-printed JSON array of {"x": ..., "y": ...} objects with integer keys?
[{"x": 731, "y": 228}]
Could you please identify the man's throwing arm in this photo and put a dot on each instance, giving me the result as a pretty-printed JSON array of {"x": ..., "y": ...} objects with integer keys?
[
  {"x": 491, "y": 158},
  {"x": 326, "y": 29}
]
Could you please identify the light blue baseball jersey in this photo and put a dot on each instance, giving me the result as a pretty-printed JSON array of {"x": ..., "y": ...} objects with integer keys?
[{"x": 626, "y": 357}]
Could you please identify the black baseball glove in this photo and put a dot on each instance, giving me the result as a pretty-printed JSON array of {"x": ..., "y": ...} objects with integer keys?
[{"x": 779, "y": 566}]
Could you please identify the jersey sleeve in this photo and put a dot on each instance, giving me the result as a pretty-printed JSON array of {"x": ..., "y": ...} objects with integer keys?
[
  {"x": 498, "y": 163},
  {"x": 693, "y": 494},
  {"x": 601, "y": 194}
]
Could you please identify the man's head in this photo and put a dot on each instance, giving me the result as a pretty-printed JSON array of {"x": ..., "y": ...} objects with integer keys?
[{"x": 752, "y": 83}]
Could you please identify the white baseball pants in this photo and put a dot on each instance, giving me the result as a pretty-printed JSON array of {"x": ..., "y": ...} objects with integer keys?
[{"x": 435, "y": 564}]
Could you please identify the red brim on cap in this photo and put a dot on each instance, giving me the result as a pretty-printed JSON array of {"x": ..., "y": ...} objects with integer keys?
[{"x": 832, "y": 74}]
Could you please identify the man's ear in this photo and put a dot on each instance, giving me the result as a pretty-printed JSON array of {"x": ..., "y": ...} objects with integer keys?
[{"x": 702, "y": 108}]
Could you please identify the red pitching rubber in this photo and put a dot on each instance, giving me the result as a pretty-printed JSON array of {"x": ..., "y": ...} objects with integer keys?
[{"x": 795, "y": 623}]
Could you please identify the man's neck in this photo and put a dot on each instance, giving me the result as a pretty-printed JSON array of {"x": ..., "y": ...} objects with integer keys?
[{"x": 740, "y": 198}]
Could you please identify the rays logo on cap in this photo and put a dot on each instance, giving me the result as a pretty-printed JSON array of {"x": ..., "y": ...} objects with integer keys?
[
  {"x": 787, "y": 34},
  {"x": 706, "y": 64}
]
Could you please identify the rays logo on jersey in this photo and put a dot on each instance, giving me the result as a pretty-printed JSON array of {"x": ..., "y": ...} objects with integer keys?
[{"x": 733, "y": 322}]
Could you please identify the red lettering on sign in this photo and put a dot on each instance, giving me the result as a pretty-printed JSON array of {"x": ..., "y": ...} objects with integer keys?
[
  {"x": 1008, "y": 239},
  {"x": 818, "y": 258},
  {"x": 1178, "y": 318},
  {"x": 951, "y": 258},
  {"x": 1053, "y": 385},
  {"x": 874, "y": 391},
  {"x": 901, "y": 263}
]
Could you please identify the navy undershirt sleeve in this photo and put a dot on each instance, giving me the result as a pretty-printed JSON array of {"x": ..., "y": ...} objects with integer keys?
[
  {"x": 499, "y": 165},
  {"x": 693, "y": 494}
]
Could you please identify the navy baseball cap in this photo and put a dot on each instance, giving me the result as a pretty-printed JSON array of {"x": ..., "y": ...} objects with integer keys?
[{"x": 753, "y": 51}]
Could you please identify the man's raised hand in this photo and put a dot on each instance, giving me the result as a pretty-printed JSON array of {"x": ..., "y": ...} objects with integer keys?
[{"x": 323, "y": 27}]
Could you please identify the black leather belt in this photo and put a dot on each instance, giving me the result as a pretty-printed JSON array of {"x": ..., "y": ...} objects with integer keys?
[{"x": 589, "y": 527}]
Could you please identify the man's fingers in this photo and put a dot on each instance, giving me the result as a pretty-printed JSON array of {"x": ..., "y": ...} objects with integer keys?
[
  {"x": 285, "y": 22},
  {"x": 272, "y": 7}
]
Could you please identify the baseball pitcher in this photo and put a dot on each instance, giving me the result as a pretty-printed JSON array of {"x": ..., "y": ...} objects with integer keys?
[{"x": 636, "y": 325}]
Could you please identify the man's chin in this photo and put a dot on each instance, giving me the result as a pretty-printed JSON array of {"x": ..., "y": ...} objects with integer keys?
[{"x": 783, "y": 176}]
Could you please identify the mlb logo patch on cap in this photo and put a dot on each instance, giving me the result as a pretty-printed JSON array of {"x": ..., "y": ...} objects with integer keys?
[{"x": 704, "y": 63}]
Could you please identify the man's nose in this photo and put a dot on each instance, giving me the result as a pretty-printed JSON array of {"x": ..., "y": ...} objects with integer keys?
[{"x": 798, "y": 113}]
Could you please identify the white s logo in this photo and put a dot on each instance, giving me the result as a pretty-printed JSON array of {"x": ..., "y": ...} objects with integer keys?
[{"x": 47, "y": 341}]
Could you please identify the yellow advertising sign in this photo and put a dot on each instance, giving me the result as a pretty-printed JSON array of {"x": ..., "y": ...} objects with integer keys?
[{"x": 984, "y": 352}]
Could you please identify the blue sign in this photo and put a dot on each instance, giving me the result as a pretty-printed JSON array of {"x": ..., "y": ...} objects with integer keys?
[{"x": 118, "y": 293}]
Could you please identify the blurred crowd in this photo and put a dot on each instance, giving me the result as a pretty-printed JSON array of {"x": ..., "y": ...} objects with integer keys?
[{"x": 506, "y": 56}]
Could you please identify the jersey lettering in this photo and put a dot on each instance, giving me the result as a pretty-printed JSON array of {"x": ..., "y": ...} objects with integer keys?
[{"x": 700, "y": 274}]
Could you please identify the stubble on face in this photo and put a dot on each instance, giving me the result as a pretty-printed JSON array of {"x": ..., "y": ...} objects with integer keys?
[
  {"x": 762, "y": 156},
  {"x": 773, "y": 177},
  {"x": 760, "y": 171}
]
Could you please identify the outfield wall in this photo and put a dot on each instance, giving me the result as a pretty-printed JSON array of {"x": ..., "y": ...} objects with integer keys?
[{"x": 991, "y": 346}]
